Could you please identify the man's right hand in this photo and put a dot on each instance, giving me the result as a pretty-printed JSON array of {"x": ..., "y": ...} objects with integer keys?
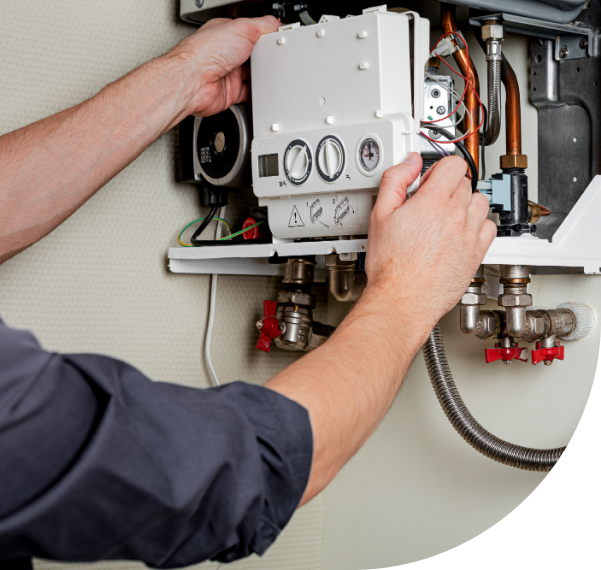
[{"x": 423, "y": 252}]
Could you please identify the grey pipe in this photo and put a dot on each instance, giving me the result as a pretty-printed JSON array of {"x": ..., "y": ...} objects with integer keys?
[
  {"x": 558, "y": 11},
  {"x": 465, "y": 424}
]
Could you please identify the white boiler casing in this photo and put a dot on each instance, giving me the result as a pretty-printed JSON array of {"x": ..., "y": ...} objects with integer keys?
[{"x": 332, "y": 110}]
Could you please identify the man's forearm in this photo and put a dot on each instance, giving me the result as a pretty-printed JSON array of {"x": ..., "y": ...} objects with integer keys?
[
  {"x": 50, "y": 168},
  {"x": 349, "y": 383}
]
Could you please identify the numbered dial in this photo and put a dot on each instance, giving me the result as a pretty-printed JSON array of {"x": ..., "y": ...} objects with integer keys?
[
  {"x": 298, "y": 162},
  {"x": 369, "y": 155},
  {"x": 330, "y": 158}
]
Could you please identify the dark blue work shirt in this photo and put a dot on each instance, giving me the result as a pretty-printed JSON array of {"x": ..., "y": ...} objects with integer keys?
[{"x": 99, "y": 463}]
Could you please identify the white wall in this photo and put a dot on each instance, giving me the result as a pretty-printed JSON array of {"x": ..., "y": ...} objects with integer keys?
[
  {"x": 100, "y": 283},
  {"x": 417, "y": 489}
]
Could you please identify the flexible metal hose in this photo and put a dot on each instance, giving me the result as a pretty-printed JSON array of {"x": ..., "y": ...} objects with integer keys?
[
  {"x": 494, "y": 101},
  {"x": 465, "y": 424}
]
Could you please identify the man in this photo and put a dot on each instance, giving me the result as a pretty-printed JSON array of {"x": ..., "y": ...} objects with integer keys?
[{"x": 98, "y": 462}]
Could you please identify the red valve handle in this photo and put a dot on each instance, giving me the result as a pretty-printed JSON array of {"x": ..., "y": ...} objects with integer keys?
[
  {"x": 270, "y": 326},
  {"x": 506, "y": 354},
  {"x": 546, "y": 354}
]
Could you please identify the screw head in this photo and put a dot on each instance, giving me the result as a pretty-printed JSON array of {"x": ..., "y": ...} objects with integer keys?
[
  {"x": 583, "y": 43},
  {"x": 563, "y": 52},
  {"x": 200, "y": 3},
  {"x": 441, "y": 110},
  {"x": 435, "y": 93}
]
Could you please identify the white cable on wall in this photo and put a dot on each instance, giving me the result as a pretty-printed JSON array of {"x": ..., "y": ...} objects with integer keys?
[{"x": 212, "y": 303}]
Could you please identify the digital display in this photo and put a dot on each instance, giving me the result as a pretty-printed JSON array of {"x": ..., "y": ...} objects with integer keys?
[{"x": 268, "y": 165}]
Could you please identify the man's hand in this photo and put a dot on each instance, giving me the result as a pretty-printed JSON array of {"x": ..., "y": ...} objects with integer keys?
[
  {"x": 422, "y": 252},
  {"x": 214, "y": 57},
  {"x": 421, "y": 256}
]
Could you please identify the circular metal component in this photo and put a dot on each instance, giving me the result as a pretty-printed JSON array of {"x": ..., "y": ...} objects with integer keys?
[
  {"x": 563, "y": 52},
  {"x": 435, "y": 93},
  {"x": 515, "y": 281},
  {"x": 369, "y": 155},
  {"x": 330, "y": 158},
  {"x": 441, "y": 110},
  {"x": 298, "y": 162},
  {"x": 478, "y": 280},
  {"x": 583, "y": 43},
  {"x": 200, "y": 3},
  {"x": 222, "y": 147}
]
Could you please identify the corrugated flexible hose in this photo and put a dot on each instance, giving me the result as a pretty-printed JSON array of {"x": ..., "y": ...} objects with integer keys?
[
  {"x": 494, "y": 102},
  {"x": 465, "y": 424}
]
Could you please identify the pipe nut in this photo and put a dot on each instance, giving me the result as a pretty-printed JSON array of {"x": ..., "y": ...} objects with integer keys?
[
  {"x": 474, "y": 299},
  {"x": 493, "y": 32},
  {"x": 296, "y": 298},
  {"x": 515, "y": 300},
  {"x": 514, "y": 161}
]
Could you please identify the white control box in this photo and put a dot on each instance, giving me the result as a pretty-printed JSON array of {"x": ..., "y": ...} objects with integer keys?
[{"x": 332, "y": 110}]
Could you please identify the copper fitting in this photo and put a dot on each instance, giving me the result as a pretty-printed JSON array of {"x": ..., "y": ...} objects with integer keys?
[
  {"x": 537, "y": 211},
  {"x": 472, "y": 143},
  {"x": 513, "y": 111},
  {"x": 518, "y": 281}
]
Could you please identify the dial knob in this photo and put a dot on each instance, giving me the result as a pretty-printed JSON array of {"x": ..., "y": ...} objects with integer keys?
[
  {"x": 298, "y": 162},
  {"x": 369, "y": 155},
  {"x": 330, "y": 158}
]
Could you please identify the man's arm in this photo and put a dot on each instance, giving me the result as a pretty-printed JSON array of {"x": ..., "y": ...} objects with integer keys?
[
  {"x": 421, "y": 256},
  {"x": 52, "y": 167}
]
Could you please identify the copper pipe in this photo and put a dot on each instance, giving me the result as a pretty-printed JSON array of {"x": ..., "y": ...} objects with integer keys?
[
  {"x": 513, "y": 112},
  {"x": 464, "y": 63},
  {"x": 513, "y": 109}
]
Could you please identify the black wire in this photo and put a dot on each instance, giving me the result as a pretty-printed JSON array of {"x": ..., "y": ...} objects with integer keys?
[
  {"x": 483, "y": 142},
  {"x": 194, "y": 239},
  {"x": 464, "y": 151}
]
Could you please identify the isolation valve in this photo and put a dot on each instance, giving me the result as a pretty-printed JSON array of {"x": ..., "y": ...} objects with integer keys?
[
  {"x": 547, "y": 354},
  {"x": 269, "y": 326},
  {"x": 506, "y": 353}
]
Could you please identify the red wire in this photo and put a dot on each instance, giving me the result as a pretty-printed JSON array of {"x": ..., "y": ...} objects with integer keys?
[{"x": 467, "y": 82}]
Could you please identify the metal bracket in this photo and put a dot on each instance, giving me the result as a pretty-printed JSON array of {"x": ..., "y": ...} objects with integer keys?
[{"x": 571, "y": 41}]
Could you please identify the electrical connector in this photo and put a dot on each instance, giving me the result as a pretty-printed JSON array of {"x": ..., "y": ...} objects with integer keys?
[{"x": 445, "y": 48}]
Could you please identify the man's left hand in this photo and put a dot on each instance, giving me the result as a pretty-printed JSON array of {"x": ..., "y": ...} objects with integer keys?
[{"x": 214, "y": 58}]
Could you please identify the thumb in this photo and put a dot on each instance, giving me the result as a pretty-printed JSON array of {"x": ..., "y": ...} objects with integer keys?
[{"x": 395, "y": 181}]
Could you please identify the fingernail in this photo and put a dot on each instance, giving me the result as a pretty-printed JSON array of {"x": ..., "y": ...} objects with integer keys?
[{"x": 411, "y": 158}]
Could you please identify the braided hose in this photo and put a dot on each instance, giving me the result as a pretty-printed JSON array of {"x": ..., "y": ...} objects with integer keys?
[
  {"x": 493, "y": 127},
  {"x": 465, "y": 424}
]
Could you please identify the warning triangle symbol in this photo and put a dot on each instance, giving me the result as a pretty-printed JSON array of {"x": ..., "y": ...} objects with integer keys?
[{"x": 295, "y": 219}]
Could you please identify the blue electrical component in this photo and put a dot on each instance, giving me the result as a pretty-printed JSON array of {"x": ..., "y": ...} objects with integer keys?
[{"x": 498, "y": 192}]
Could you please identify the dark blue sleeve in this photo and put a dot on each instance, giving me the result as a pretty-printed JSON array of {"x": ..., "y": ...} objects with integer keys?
[{"x": 99, "y": 463}]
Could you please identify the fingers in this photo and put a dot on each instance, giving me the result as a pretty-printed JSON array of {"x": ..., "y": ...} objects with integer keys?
[
  {"x": 428, "y": 172},
  {"x": 477, "y": 212},
  {"x": 445, "y": 178},
  {"x": 462, "y": 196},
  {"x": 244, "y": 96},
  {"x": 393, "y": 189},
  {"x": 488, "y": 232},
  {"x": 256, "y": 27}
]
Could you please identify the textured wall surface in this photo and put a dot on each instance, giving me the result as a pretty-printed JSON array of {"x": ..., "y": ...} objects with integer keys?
[{"x": 99, "y": 283}]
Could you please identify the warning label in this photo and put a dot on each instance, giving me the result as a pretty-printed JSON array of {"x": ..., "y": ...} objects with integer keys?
[
  {"x": 328, "y": 212},
  {"x": 295, "y": 219}
]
